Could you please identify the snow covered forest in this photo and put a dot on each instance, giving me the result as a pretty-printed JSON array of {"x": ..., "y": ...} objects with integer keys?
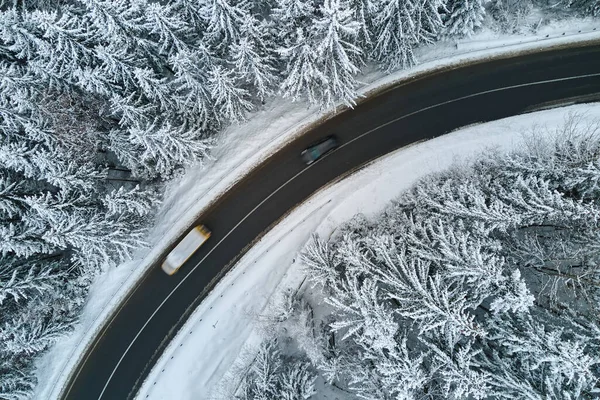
[
  {"x": 103, "y": 100},
  {"x": 480, "y": 282}
]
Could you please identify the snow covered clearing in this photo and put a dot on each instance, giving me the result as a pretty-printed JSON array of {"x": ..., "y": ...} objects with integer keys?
[
  {"x": 241, "y": 148},
  {"x": 209, "y": 355}
]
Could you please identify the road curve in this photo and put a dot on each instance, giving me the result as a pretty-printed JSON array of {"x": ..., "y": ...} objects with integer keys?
[{"x": 126, "y": 349}]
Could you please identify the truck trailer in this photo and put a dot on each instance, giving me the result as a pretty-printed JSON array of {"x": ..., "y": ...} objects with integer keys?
[{"x": 185, "y": 249}]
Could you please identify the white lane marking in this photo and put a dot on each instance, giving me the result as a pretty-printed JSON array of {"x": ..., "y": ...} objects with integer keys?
[
  {"x": 470, "y": 96},
  {"x": 308, "y": 167},
  {"x": 196, "y": 266}
]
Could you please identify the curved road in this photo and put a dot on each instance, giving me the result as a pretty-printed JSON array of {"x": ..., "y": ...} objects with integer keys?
[{"x": 129, "y": 345}]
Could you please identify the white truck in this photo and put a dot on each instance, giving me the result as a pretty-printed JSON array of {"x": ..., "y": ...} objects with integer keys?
[{"x": 185, "y": 249}]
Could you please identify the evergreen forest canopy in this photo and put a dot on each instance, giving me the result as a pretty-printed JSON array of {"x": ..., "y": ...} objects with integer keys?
[
  {"x": 481, "y": 282},
  {"x": 102, "y": 100}
]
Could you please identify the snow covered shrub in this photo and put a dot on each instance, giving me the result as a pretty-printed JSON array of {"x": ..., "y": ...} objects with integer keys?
[
  {"x": 511, "y": 14},
  {"x": 272, "y": 376}
]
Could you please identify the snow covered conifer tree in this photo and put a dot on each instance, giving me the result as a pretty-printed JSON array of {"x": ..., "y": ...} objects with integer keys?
[
  {"x": 191, "y": 85},
  {"x": 21, "y": 239},
  {"x": 364, "y": 313},
  {"x": 154, "y": 87},
  {"x": 17, "y": 282},
  {"x": 130, "y": 111},
  {"x": 303, "y": 75},
  {"x": 67, "y": 53},
  {"x": 364, "y": 12},
  {"x": 163, "y": 148},
  {"x": 402, "y": 25},
  {"x": 253, "y": 59},
  {"x": 289, "y": 15},
  {"x": 261, "y": 382},
  {"x": 395, "y": 36},
  {"x": 230, "y": 99},
  {"x": 297, "y": 382},
  {"x": 535, "y": 356},
  {"x": 134, "y": 201},
  {"x": 225, "y": 19},
  {"x": 319, "y": 258},
  {"x": 17, "y": 157},
  {"x": 15, "y": 384},
  {"x": 590, "y": 7},
  {"x": 464, "y": 16},
  {"x": 10, "y": 186},
  {"x": 34, "y": 329},
  {"x": 322, "y": 58},
  {"x": 336, "y": 33},
  {"x": 193, "y": 13},
  {"x": 164, "y": 23},
  {"x": 516, "y": 297},
  {"x": 123, "y": 29},
  {"x": 402, "y": 373}
]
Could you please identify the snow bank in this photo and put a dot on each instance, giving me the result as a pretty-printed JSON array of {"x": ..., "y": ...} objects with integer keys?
[
  {"x": 244, "y": 147},
  {"x": 207, "y": 357}
]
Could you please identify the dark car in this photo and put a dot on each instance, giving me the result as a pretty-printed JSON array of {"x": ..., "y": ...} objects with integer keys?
[{"x": 318, "y": 150}]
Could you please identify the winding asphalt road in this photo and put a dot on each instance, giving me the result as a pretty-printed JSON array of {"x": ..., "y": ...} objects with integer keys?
[{"x": 132, "y": 341}]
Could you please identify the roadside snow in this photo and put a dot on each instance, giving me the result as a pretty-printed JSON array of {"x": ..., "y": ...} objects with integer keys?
[
  {"x": 243, "y": 147},
  {"x": 208, "y": 356}
]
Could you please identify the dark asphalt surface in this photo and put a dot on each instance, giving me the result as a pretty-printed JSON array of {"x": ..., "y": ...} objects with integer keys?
[{"x": 418, "y": 110}]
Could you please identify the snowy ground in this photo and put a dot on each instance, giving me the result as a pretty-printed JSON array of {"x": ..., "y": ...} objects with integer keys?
[
  {"x": 205, "y": 359},
  {"x": 243, "y": 147}
]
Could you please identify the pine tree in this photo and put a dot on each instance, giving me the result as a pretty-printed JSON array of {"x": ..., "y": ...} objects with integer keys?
[
  {"x": 163, "y": 22},
  {"x": 402, "y": 25},
  {"x": 516, "y": 297},
  {"x": 225, "y": 19},
  {"x": 18, "y": 282},
  {"x": 10, "y": 186},
  {"x": 590, "y": 7},
  {"x": 253, "y": 60},
  {"x": 289, "y": 15},
  {"x": 22, "y": 240},
  {"x": 364, "y": 13},
  {"x": 363, "y": 313},
  {"x": 191, "y": 85},
  {"x": 130, "y": 111},
  {"x": 155, "y": 88},
  {"x": 320, "y": 260},
  {"x": 464, "y": 17},
  {"x": 121, "y": 26},
  {"x": 551, "y": 361},
  {"x": 456, "y": 364},
  {"x": 395, "y": 36},
  {"x": 163, "y": 148},
  {"x": 421, "y": 295},
  {"x": 130, "y": 202},
  {"x": 262, "y": 381},
  {"x": 336, "y": 33},
  {"x": 32, "y": 331},
  {"x": 15, "y": 383},
  {"x": 400, "y": 371},
  {"x": 297, "y": 382},
  {"x": 303, "y": 76},
  {"x": 193, "y": 14},
  {"x": 322, "y": 58},
  {"x": 119, "y": 64},
  {"x": 230, "y": 99}
]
